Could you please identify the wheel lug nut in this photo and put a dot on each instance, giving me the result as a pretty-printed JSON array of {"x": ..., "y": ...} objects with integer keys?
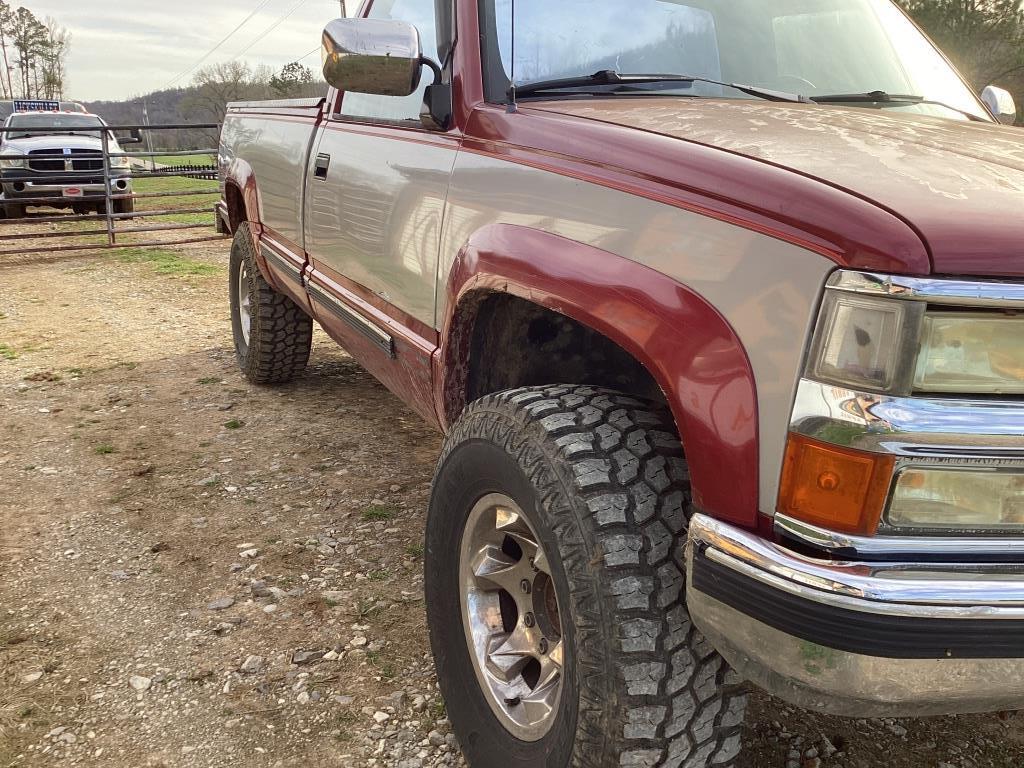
[
  {"x": 543, "y": 647},
  {"x": 525, "y": 586},
  {"x": 528, "y": 620}
]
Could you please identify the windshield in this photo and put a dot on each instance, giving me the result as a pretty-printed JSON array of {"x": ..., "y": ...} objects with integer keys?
[
  {"x": 59, "y": 124},
  {"x": 808, "y": 47}
]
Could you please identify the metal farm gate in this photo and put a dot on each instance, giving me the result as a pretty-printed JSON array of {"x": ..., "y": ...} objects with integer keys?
[{"x": 87, "y": 200}]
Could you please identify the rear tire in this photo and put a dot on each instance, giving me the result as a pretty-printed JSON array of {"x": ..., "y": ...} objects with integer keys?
[
  {"x": 273, "y": 335},
  {"x": 602, "y": 482}
]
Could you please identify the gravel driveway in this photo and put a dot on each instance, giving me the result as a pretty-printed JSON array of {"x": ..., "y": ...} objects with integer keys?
[{"x": 198, "y": 572}]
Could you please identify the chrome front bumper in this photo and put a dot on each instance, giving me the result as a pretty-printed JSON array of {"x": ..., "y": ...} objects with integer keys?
[{"x": 859, "y": 638}]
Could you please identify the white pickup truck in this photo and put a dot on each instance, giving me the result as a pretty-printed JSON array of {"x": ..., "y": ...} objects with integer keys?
[{"x": 57, "y": 159}]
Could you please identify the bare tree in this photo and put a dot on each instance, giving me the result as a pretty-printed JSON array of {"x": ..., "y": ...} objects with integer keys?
[
  {"x": 6, "y": 24},
  {"x": 54, "y": 59},
  {"x": 30, "y": 39},
  {"x": 214, "y": 86}
]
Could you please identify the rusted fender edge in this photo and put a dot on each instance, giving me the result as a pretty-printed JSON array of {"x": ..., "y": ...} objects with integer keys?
[{"x": 688, "y": 347}]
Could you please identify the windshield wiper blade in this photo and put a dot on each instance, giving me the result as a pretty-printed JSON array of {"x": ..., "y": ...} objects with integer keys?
[
  {"x": 881, "y": 97},
  {"x": 611, "y": 77}
]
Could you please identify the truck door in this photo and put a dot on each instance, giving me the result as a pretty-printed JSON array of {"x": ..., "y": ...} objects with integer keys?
[{"x": 375, "y": 200}]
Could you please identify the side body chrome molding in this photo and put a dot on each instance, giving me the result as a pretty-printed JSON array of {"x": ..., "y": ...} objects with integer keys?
[
  {"x": 353, "y": 318},
  {"x": 283, "y": 265}
]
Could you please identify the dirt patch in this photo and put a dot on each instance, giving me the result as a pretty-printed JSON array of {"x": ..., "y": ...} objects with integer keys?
[{"x": 197, "y": 572}]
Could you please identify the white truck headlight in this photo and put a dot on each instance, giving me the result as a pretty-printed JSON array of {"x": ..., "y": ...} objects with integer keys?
[
  {"x": 120, "y": 162},
  {"x": 860, "y": 342},
  {"x": 902, "y": 348},
  {"x": 12, "y": 162},
  {"x": 971, "y": 352},
  {"x": 960, "y": 499}
]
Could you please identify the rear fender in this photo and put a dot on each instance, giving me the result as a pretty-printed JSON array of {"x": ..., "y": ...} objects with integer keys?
[{"x": 240, "y": 176}]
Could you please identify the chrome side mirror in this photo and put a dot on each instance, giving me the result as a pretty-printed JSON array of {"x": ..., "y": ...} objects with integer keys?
[
  {"x": 376, "y": 56},
  {"x": 1001, "y": 104}
]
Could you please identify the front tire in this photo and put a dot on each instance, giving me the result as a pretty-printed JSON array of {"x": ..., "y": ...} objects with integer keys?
[
  {"x": 125, "y": 205},
  {"x": 273, "y": 335},
  {"x": 593, "y": 485}
]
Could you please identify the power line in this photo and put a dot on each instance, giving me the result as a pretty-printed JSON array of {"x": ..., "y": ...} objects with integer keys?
[
  {"x": 315, "y": 50},
  {"x": 215, "y": 48},
  {"x": 271, "y": 28}
]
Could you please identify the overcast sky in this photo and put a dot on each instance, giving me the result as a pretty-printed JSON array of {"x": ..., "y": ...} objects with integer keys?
[{"x": 124, "y": 48}]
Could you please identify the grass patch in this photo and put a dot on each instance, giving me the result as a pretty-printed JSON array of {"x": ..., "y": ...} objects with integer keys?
[
  {"x": 167, "y": 262},
  {"x": 198, "y": 159},
  {"x": 415, "y": 550},
  {"x": 367, "y": 608},
  {"x": 234, "y": 424},
  {"x": 171, "y": 184},
  {"x": 385, "y": 667},
  {"x": 209, "y": 380},
  {"x": 104, "y": 449},
  {"x": 378, "y": 512},
  {"x": 8, "y": 353},
  {"x": 379, "y": 575}
]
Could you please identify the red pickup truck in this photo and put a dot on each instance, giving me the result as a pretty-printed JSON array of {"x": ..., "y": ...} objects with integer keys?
[{"x": 720, "y": 305}]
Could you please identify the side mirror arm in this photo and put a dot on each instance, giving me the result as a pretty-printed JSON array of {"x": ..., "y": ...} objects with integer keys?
[{"x": 436, "y": 114}]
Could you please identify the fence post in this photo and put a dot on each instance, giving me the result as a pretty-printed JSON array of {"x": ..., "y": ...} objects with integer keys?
[{"x": 107, "y": 189}]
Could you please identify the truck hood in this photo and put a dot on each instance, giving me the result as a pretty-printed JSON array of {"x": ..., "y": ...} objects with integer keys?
[
  {"x": 960, "y": 185},
  {"x": 55, "y": 142}
]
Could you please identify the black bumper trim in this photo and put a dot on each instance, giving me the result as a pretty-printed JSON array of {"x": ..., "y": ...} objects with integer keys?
[{"x": 868, "y": 634}]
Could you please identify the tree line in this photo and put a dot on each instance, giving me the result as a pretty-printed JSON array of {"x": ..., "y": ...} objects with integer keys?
[
  {"x": 34, "y": 55},
  {"x": 984, "y": 38},
  {"x": 205, "y": 100}
]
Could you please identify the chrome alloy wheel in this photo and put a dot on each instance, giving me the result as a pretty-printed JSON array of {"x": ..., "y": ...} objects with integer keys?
[
  {"x": 510, "y": 616},
  {"x": 244, "y": 302}
]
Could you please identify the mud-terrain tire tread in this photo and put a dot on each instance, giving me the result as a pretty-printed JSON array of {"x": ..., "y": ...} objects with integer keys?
[
  {"x": 281, "y": 333},
  {"x": 610, "y": 471}
]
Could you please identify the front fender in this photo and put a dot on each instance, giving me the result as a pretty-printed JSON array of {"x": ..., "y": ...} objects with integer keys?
[{"x": 687, "y": 346}]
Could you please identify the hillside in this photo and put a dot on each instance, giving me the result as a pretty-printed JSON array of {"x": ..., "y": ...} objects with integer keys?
[{"x": 195, "y": 104}]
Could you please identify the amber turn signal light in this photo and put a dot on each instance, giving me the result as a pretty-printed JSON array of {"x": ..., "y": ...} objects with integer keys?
[{"x": 833, "y": 487}]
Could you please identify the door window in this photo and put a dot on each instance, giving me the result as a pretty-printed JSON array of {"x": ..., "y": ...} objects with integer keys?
[{"x": 419, "y": 13}]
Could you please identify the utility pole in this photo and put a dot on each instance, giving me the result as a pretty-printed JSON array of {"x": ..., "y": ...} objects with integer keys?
[{"x": 149, "y": 135}]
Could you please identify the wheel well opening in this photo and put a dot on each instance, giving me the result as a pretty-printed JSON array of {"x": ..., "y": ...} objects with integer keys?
[
  {"x": 236, "y": 206},
  {"x": 516, "y": 343}
]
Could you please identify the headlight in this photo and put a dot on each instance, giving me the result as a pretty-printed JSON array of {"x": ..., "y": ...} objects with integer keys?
[
  {"x": 120, "y": 162},
  {"x": 898, "y": 347},
  {"x": 858, "y": 342},
  {"x": 14, "y": 162},
  {"x": 971, "y": 353},
  {"x": 964, "y": 499}
]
